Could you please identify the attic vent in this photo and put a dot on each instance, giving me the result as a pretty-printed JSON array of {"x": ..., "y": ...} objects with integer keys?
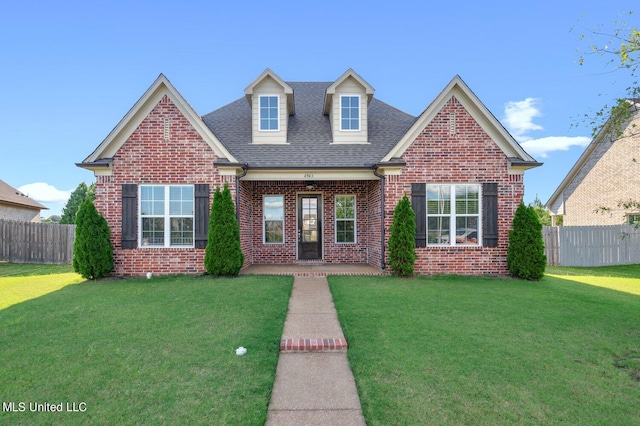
[
  {"x": 452, "y": 123},
  {"x": 166, "y": 129}
]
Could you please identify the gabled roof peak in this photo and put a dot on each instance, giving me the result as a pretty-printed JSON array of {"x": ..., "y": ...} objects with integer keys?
[
  {"x": 268, "y": 73},
  {"x": 350, "y": 73},
  {"x": 264, "y": 74},
  {"x": 490, "y": 124},
  {"x": 117, "y": 137},
  {"x": 369, "y": 90}
]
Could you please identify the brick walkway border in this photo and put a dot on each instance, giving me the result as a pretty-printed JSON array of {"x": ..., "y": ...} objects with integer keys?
[{"x": 313, "y": 345}]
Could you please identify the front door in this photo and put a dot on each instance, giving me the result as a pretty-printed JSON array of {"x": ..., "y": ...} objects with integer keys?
[{"x": 309, "y": 227}]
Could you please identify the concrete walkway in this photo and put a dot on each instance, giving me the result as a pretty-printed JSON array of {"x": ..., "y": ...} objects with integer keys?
[{"x": 314, "y": 384}]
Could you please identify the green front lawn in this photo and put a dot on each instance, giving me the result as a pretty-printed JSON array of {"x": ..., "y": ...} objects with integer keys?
[
  {"x": 487, "y": 351},
  {"x": 137, "y": 351},
  {"x": 20, "y": 282}
]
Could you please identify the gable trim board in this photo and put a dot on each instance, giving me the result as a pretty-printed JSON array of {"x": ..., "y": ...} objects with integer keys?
[
  {"x": 376, "y": 174},
  {"x": 99, "y": 159},
  {"x": 458, "y": 89}
]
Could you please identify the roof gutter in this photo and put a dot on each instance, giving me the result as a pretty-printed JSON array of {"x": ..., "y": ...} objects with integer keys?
[
  {"x": 517, "y": 163},
  {"x": 382, "y": 229},
  {"x": 311, "y": 167},
  {"x": 245, "y": 169}
]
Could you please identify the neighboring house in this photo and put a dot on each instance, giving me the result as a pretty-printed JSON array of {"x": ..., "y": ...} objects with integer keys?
[
  {"x": 316, "y": 169},
  {"x": 14, "y": 205},
  {"x": 606, "y": 174}
]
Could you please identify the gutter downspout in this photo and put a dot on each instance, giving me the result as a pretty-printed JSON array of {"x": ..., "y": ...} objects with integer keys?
[
  {"x": 245, "y": 168},
  {"x": 382, "y": 233}
]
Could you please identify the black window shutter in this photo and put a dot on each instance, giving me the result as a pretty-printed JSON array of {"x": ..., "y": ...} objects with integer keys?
[
  {"x": 490, "y": 215},
  {"x": 129, "y": 215},
  {"x": 201, "y": 215},
  {"x": 419, "y": 206}
]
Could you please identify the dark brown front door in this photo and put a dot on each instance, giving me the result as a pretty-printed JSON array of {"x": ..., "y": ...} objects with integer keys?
[{"x": 309, "y": 227}]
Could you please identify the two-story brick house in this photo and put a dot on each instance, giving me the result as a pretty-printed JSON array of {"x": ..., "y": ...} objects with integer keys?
[{"x": 316, "y": 169}]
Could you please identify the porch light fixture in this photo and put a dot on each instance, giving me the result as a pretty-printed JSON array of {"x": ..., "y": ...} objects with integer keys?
[{"x": 310, "y": 185}]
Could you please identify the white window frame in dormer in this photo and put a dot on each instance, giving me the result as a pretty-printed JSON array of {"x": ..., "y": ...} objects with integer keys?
[
  {"x": 260, "y": 109},
  {"x": 350, "y": 118}
]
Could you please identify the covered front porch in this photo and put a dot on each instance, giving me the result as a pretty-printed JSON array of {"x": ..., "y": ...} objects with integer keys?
[{"x": 325, "y": 222}]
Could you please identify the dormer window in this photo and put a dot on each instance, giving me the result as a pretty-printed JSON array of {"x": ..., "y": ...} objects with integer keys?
[
  {"x": 269, "y": 113},
  {"x": 350, "y": 112},
  {"x": 271, "y": 102},
  {"x": 346, "y": 102}
]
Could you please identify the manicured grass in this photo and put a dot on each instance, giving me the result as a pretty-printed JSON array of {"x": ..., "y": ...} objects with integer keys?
[
  {"x": 20, "y": 282},
  {"x": 487, "y": 351},
  {"x": 137, "y": 351},
  {"x": 620, "y": 277},
  {"x": 8, "y": 269}
]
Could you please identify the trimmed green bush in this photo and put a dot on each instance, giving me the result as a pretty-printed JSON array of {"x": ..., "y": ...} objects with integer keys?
[
  {"x": 92, "y": 249},
  {"x": 223, "y": 255},
  {"x": 402, "y": 243},
  {"x": 525, "y": 255}
]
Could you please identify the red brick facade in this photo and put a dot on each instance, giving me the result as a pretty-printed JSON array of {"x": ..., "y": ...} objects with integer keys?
[
  {"x": 465, "y": 154},
  {"x": 147, "y": 158},
  {"x": 251, "y": 219}
]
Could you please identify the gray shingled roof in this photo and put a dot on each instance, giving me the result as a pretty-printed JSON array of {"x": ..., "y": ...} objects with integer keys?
[{"x": 309, "y": 133}]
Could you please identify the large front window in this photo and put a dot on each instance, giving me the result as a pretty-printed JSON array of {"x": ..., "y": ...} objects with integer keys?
[
  {"x": 273, "y": 209},
  {"x": 166, "y": 215},
  {"x": 350, "y": 112},
  {"x": 345, "y": 219},
  {"x": 269, "y": 117},
  {"x": 453, "y": 214}
]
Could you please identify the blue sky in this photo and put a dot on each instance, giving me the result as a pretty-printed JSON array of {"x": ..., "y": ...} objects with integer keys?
[{"x": 72, "y": 69}]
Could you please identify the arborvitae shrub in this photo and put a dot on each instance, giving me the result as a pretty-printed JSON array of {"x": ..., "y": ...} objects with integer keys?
[
  {"x": 92, "y": 249},
  {"x": 525, "y": 255},
  {"x": 223, "y": 255},
  {"x": 402, "y": 243},
  {"x": 70, "y": 209}
]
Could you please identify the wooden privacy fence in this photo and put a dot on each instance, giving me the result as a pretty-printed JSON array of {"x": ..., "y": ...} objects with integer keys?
[
  {"x": 28, "y": 242},
  {"x": 591, "y": 245}
]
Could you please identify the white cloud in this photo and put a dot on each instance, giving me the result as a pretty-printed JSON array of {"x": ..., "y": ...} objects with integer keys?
[
  {"x": 519, "y": 117},
  {"x": 45, "y": 193},
  {"x": 542, "y": 146}
]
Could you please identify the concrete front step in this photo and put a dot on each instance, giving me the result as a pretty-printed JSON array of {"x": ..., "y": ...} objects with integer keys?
[{"x": 313, "y": 345}]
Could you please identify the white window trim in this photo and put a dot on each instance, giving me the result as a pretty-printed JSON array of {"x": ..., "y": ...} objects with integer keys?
[
  {"x": 265, "y": 95},
  {"x": 355, "y": 219},
  {"x": 452, "y": 215},
  {"x": 264, "y": 219},
  {"x": 359, "y": 112},
  {"x": 167, "y": 217}
]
